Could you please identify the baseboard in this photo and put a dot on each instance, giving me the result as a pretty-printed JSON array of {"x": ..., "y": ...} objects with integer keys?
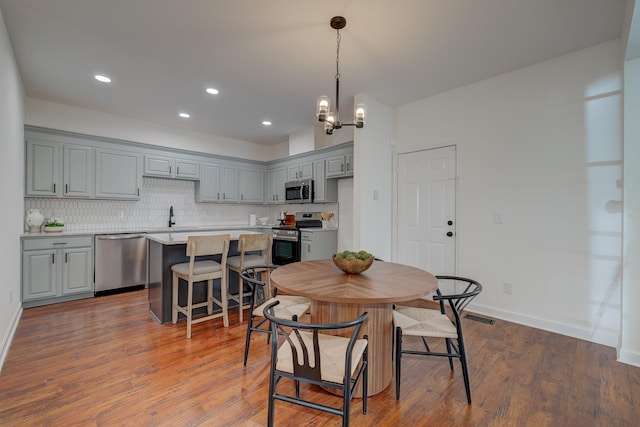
[
  {"x": 8, "y": 338},
  {"x": 607, "y": 338},
  {"x": 629, "y": 357}
]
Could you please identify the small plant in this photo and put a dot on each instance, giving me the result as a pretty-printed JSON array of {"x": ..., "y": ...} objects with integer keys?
[{"x": 53, "y": 222}]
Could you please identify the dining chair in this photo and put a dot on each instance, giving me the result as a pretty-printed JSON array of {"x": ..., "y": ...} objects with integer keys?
[
  {"x": 249, "y": 243},
  {"x": 428, "y": 323},
  {"x": 317, "y": 358},
  {"x": 199, "y": 271},
  {"x": 290, "y": 307}
]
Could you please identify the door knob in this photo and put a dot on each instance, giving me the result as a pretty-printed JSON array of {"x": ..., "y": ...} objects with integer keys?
[
  {"x": 449, "y": 233},
  {"x": 449, "y": 222}
]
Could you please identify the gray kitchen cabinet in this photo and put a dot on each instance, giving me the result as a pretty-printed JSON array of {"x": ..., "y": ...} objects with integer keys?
[
  {"x": 56, "y": 269},
  {"x": 218, "y": 183},
  {"x": 325, "y": 190},
  {"x": 318, "y": 244},
  {"x": 229, "y": 183},
  {"x": 251, "y": 185},
  {"x": 118, "y": 174},
  {"x": 300, "y": 171},
  {"x": 339, "y": 166},
  {"x": 275, "y": 185},
  {"x": 58, "y": 170},
  {"x": 167, "y": 167}
]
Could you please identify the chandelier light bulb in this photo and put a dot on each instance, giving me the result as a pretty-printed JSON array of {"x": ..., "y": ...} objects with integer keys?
[{"x": 322, "y": 107}]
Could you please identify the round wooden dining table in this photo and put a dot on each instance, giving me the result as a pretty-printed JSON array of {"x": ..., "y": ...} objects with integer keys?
[{"x": 339, "y": 297}]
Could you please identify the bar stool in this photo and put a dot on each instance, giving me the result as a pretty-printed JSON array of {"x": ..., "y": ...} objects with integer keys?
[
  {"x": 198, "y": 271},
  {"x": 249, "y": 243}
]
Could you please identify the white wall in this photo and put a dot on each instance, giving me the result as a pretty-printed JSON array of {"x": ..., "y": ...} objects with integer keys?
[
  {"x": 372, "y": 180},
  {"x": 11, "y": 190},
  {"x": 543, "y": 146},
  {"x": 630, "y": 337},
  {"x": 91, "y": 122}
]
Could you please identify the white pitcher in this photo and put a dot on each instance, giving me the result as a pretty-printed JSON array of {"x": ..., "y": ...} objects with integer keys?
[{"x": 34, "y": 219}]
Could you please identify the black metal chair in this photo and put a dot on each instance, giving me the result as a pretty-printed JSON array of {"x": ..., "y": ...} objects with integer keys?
[
  {"x": 427, "y": 323},
  {"x": 320, "y": 359},
  {"x": 290, "y": 307}
]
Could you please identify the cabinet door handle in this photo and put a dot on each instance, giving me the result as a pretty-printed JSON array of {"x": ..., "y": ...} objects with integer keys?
[
  {"x": 342, "y": 168},
  {"x": 242, "y": 196},
  {"x": 66, "y": 189},
  {"x": 169, "y": 170},
  {"x": 218, "y": 196},
  {"x": 224, "y": 196},
  {"x": 54, "y": 187},
  {"x": 177, "y": 170},
  {"x": 138, "y": 192},
  {"x": 66, "y": 257},
  {"x": 53, "y": 258}
]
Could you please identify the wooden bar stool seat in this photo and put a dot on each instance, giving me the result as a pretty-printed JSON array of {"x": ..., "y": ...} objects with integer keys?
[
  {"x": 249, "y": 243},
  {"x": 200, "y": 271}
]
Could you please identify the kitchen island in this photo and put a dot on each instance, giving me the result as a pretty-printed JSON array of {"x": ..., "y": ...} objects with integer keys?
[{"x": 167, "y": 249}]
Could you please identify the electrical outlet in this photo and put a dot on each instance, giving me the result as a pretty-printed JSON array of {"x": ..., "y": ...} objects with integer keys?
[{"x": 507, "y": 288}]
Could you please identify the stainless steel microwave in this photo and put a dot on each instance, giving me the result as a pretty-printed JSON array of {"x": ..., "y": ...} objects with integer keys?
[{"x": 299, "y": 191}]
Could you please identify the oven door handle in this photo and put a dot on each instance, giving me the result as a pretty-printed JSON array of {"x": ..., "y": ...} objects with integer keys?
[{"x": 285, "y": 239}]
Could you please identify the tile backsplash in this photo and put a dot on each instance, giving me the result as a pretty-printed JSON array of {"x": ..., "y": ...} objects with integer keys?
[{"x": 152, "y": 210}]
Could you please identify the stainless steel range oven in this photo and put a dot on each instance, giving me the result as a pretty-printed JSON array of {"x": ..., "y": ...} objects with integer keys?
[{"x": 286, "y": 239}]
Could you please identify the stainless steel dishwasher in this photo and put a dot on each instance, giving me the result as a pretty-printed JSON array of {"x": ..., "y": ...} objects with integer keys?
[{"x": 120, "y": 263}]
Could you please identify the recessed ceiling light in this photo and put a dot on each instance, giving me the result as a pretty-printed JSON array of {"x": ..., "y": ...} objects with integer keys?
[
  {"x": 184, "y": 115},
  {"x": 101, "y": 78},
  {"x": 212, "y": 91},
  {"x": 266, "y": 123}
]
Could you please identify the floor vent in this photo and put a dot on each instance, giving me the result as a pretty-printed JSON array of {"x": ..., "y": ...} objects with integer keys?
[{"x": 479, "y": 319}]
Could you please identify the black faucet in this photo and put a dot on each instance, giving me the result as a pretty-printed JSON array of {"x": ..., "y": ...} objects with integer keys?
[{"x": 172, "y": 219}]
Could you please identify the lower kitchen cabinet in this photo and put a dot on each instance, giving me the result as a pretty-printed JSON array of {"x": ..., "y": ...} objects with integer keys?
[
  {"x": 56, "y": 269},
  {"x": 318, "y": 243}
]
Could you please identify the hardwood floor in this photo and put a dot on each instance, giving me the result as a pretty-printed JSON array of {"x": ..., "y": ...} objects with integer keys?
[{"x": 105, "y": 361}]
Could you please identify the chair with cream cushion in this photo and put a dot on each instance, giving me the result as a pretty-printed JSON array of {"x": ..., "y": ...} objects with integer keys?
[
  {"x": 249, "y": 243},
  {"x": 291, "y": 307},
  {"x": 321, "y": 359},
  {"x": 428, "y": 323},
  {"x": 199, "y": 271}
]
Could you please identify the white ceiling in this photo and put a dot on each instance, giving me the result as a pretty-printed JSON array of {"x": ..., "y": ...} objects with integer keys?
[{"x": 271, "y": 59}]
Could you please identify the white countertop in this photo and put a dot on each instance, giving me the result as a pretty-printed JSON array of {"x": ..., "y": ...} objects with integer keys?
[
  {"x": 171, "y": 230},
  {"x": 181, "y": 237}
]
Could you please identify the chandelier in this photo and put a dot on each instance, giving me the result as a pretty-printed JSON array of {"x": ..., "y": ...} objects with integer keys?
[{"x": 330, "y": 118}]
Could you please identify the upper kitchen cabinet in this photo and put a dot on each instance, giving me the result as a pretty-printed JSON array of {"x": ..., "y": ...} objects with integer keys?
[
  {"x": 251, "y": 185},
  {"x": 167, "y": 167},
  {"x": 325, "y": 190},
  {"x": 276, "y": 178},
  {"x": 300, "y": 171},
  {"x": 58, "y": 170},
  {"x": 218, "y": 183},
  {"x": 339, "y": 166},
  {"x": 118, "y": 174}
]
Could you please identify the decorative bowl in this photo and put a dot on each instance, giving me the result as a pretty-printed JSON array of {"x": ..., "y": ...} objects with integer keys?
[
  {"x": 53, "y": 229},
  {"x": 352, "y": 266}
]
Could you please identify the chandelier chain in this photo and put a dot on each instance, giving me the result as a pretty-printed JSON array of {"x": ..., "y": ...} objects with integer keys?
[{"x": 338, "y": 37}]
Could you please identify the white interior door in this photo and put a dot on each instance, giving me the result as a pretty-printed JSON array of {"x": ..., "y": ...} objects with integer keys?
[{"x": 426, "y": 223}]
